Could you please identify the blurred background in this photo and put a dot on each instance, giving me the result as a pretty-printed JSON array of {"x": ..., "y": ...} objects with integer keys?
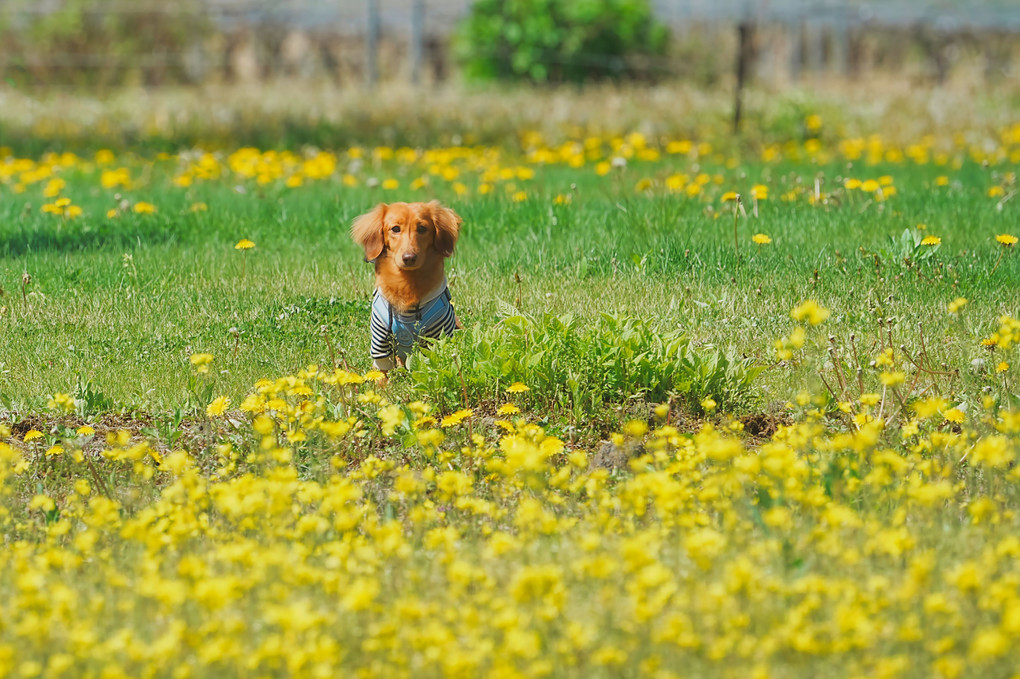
[{"x": 190, "y": 70}]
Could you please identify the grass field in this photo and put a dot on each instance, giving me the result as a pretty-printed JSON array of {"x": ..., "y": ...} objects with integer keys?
[{"x": 721, "y": 407}]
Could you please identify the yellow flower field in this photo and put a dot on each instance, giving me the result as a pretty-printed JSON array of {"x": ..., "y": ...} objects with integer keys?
[
  {"x": 325, "y": 531},
  {"x": 829, "y": 488}
]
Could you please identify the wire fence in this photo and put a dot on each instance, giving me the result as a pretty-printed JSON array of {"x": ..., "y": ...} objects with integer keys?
[{"x": 366, "y": 41}]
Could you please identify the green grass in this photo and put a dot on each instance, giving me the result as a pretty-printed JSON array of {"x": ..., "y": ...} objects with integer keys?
[{"x": 121, "y": 303}]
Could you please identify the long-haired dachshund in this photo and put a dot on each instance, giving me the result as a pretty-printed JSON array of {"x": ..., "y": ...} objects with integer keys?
[{"x": 409, "y": 244}]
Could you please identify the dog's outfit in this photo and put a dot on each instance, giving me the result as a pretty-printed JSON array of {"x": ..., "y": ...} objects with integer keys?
[{"x": 394, "y": 334}]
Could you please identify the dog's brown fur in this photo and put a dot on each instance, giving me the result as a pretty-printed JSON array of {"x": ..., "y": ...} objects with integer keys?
[{"x": 409, "y": 243}]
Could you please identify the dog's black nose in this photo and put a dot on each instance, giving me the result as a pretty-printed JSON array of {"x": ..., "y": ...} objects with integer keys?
[{"x": 409, "y": 258}]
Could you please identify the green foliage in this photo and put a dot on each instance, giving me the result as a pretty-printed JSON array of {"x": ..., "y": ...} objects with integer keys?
[
  {"x": 98, "y": 43},
  {"x": 90, "y": 401},
  {"x": 580, "y": 366},
  {"x": 558, "y": 40},
  {"x": 908, "y": 247}
]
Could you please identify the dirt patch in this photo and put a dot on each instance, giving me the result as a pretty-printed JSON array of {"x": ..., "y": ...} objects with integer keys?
[
  {"x": 611, "y": 456},
  {"x": 763, "y": 425},
  {"x": 190, "y": 434}
]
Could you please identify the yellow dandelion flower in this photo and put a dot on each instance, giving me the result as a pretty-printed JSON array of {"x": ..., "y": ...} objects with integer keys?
[
  {"x": 391, "y": 184},
  {"x": 63, "y": 402},
  {"x": 32, "y": 434},
  {"x": 42, "y": 502},
  {"x": 1006, "y": 240},
  {"x": 456, "y": 418},
  {"x": 892, "y": 378},
  {"x": 218, "y": 406},
  {"x": 886, "y": 359},
  {"x": 143, "y": 208},
  {"x": 929, "y": 407},
  {"x": 957, "y": 304},
  {"x": 517, "y": 388},
  {"x": 681, "y": 146},
  {"x": 508, "y": 409},
  {"x": 635, "y": 428},
  {"x": 54, "y": 187},
  {"x": 335, "y": 430},
  {"x": 425, "y": 421},
  {"x": 244, "y": 244},
  {"x": 954, "y": 415},
  {"x": 810, "y": 311},
  {"x": 761, "y": 239},
  {"x": 1002, "y": 367},
  {"x": 931, "y": 240},
  {"x": 263, "y": 424},
  {"x": 201, "y": 362}
]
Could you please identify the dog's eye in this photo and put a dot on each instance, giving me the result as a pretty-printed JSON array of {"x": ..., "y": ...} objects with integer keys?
[
  {"x": 395, "y": 229},
  {"x": 421, "y": 228}
]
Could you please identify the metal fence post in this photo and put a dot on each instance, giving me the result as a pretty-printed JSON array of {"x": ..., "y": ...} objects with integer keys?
[
  {"x": 372, "y": 44},
  {"x": 745, "y": 54},
  {"x": 417, "y": 39}
]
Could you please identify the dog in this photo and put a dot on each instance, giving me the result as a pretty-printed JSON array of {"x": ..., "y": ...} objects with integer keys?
[{"x": 409, "y": 244}]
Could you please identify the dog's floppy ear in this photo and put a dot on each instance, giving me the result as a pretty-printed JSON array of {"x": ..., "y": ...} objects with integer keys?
[
  {"x": 367, "y": 231},
  {"x": 447, "y": 223}
]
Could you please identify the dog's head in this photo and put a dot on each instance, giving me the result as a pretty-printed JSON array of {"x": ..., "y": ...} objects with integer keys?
[{"x": 411, "y": 234}]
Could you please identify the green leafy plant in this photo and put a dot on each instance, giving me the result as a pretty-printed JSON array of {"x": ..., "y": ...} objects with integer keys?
[
  {"x": 578, "y": 366},
  {"x": 559, "y": 40},
  {"x": 909, "y": 247},
  {"x": 90, "y": 400}
]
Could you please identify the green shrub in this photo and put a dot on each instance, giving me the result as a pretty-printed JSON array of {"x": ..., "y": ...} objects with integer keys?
[
  {"x": 578, "y": 366},
  {"x": 559, "y": 40}
]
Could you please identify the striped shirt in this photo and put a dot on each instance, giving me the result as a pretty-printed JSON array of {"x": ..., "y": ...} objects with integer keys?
[{"x": 394, "y": 334}]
